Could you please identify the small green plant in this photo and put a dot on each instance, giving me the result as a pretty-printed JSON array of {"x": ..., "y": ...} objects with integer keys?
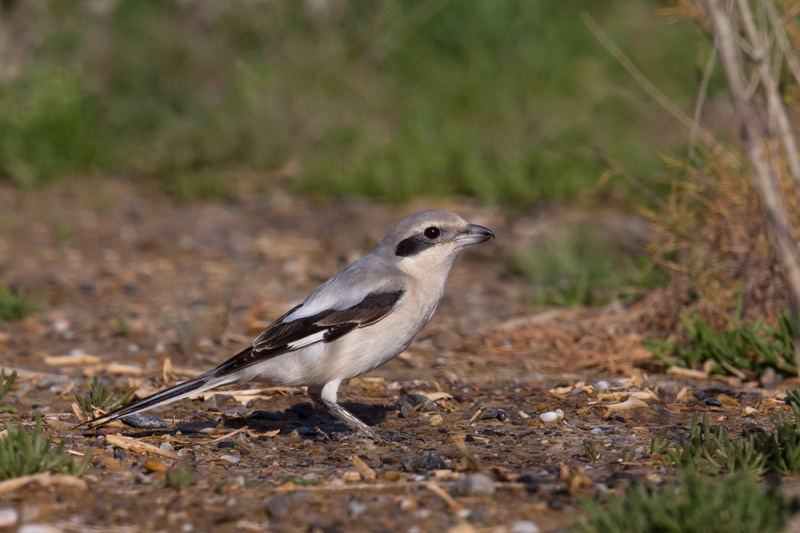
[
  {"x": 660, "y": 444},
  {"x": 782, "y": 446},
  {"x": 101, "y": 397},
  {"x": 61, "y": 232},
  {"x": 750, "y": 347},
  {"x": 22, "y": 454},
  {"x": 627, "y": 455},
  {"x": 590, "y": 450},
  {"x": 181, "y": 476},
  {"x": 5, "y": 386},
  {"x": 123, "y": 327},
  {"x": 692, "y": 503},
  {"x": 16, "y": 304},
  {"x": 710, "y": 450}
]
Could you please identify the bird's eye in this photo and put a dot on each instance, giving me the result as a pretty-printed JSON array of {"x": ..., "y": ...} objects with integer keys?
[{"x": 432, "y": 232}]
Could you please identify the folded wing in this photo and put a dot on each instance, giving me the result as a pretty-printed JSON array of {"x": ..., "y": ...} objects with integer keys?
[{"x": 325, "y": 326}]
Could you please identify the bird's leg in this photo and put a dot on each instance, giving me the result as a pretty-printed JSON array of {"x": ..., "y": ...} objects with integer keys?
[{"x": 326, "y": 397}]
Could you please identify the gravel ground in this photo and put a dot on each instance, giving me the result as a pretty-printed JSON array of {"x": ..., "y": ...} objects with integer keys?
[{"x": 484, "y": 418}]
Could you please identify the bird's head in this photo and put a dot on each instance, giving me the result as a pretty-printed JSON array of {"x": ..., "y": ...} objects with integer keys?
[{"x": 429, "y": 239}]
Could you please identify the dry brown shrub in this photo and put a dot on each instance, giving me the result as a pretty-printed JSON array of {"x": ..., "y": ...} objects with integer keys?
[{"x": 712, "y": 238}]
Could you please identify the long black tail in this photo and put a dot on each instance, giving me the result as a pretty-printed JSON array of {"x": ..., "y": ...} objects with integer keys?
[{"x": 201, "y": 383}]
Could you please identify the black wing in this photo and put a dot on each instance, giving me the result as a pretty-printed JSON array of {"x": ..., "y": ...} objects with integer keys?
[{"x": 326, "y": 326}]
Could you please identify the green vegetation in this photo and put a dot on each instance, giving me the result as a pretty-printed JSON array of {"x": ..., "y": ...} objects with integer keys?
[
  {"x": 16, "y": 304},
  {"x": 750, "y": 347},
  {"x": 22, "y": 454},
  {"x": 693, "y": 503},
  {"x": 182, "y": 476},
  {"x": 101, "y": 397},
  {"x": 696, "y": 502},
  {"x": 710, "y": 450},
  {"x": 585, "y": 268},
  {"x": 5, "y": 386},
  {"x": 590, "y": 450},
  {"x": 499, "y": 100}
]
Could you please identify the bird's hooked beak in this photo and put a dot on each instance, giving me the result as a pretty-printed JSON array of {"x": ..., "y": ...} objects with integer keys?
[{"x": 474, "y": 234}]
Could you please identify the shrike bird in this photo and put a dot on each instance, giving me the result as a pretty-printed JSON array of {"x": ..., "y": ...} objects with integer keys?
[{"x": 356, "y": 321}]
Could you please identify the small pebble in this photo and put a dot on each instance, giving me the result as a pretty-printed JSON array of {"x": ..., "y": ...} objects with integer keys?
[
  {"x": 155, "y": 465},
  {"x": 749, "y": 411},
  {"x": 430, "y": 461},
  {"x": 524, "y": 526},
  {"x": 277, "y": 507},
  {"x": 408, "y": 403},
  {"x": 351, "y": 476},
  {"x": 39, "y": 528},
  {"x": 119, "y": 453},
  {"x": 356, "y": 509},
  {"x": 391, "y": 475},
  {"x": 499, "y": 414},
  {"x": 551, "y": 416},
  {"x": 87, "y": 288},
  {"x": 599, "y": 386},
  {"x": 231, "y": 459},
  {"x": 473, "y": 484},
  {"x": 8, "y": 517},
  {"x": 144, "y": 422},
  {"x": 769, "y": 378},
  {"x": 713, "y": 402},
  {"x": 408, "y": 504},
  {"x": 166, "y": 446},
  {"x": 269, "y": 416},
  {"x": 46, "y": 383},
  {"x": 436, "y": 420},
  {"x": 129, "y": 288}
]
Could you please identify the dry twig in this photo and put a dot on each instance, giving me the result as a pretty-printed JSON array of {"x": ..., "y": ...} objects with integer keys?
[{"x": 756, "y": 135}]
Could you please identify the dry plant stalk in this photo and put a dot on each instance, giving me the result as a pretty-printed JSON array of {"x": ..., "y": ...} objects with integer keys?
[{"x": 747, "y": 50}]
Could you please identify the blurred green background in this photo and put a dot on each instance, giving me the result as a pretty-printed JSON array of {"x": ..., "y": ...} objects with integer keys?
[
  {"x": 500, "y": 100},
  {"x": 505, "y": 101}
]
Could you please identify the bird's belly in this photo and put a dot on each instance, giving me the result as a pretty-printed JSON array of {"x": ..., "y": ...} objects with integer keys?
[{"x": 354, "y": 354}]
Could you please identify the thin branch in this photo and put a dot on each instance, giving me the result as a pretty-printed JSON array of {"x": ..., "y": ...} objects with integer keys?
[
  {"x": 766, "y": 184},
  {"x": 630, "y": 178},
  {"x": 716, "y": 148},
  {"x": 775, "y": 107},
  {"x": 701, "y": 98}
]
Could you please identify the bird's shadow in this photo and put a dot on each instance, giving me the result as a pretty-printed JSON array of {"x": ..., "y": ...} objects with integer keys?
[{"x": 307, "y": 419}]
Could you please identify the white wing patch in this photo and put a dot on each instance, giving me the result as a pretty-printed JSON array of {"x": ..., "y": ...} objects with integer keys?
[{"x": 305, "y": 341}]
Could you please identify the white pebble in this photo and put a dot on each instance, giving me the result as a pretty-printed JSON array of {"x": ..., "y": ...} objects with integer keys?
[
  {"x": 8, "y": 517},
  {"x": 231, "y": 459},
  {"x": 38, "y": 528},
  {"x": 551, "y": 416},
  {"x": 523, "y": 526},
  {"x": 601, "y": 385}
]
